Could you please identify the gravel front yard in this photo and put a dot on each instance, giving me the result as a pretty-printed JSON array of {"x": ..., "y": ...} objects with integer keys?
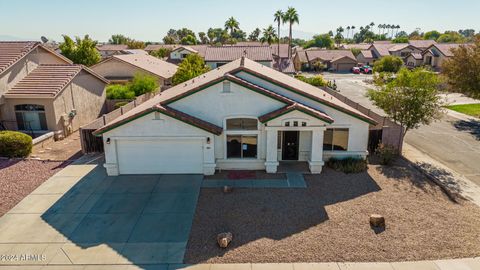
[
  {"x": 328, "y": 221},
  {"x": 20, "y": 177}
]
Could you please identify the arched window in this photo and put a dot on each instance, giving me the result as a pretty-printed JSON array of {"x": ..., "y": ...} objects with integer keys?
[{"x": 30, "y": 117}]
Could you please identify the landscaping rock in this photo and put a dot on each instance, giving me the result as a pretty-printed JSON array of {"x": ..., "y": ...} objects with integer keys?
[
  {"x": 223, "y": 239},
  {"x": 227, "y": 189},
  {"x": 377, "y": 220}
]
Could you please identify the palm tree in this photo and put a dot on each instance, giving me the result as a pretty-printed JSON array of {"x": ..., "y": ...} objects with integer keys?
[
  {"x": 348, "y": 31},
  {"x": 372, "y": 24},
  {"x": 269, "y": 35},
  {"x": 353, "y": 30},
  {"x": 291, "y": 16},
  {"x": 232, "y": 25},
  {"x": 278, "y": 17},
  {"x": 397, "y": 27}
]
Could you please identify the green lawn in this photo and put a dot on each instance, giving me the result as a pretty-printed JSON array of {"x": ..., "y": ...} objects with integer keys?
[{"x": 470, "y": 109}]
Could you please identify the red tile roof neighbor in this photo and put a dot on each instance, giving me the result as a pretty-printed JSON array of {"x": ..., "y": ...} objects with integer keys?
[
  {"x": 230, "y": 53},
  {"x": 12, "y": 51},
  {"x": 47, "y": 81}
]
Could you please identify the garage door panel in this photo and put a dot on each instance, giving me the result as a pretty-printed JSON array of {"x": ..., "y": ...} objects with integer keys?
[{"x": 160, "y": 156}]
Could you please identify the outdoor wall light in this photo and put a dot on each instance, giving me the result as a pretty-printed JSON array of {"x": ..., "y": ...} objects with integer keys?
[
  {"x": 108, "y": 141},
  {"x": 208, "y": 140}
]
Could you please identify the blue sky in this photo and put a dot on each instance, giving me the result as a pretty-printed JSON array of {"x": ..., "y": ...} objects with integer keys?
[{"x": 150, "y": 20}]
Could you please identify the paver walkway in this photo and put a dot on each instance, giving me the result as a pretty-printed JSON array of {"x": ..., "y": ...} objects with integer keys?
[{"x": 81, "y": 216}]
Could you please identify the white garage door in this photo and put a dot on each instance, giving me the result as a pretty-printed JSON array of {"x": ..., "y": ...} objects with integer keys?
[{"x": 160, "y": 156}]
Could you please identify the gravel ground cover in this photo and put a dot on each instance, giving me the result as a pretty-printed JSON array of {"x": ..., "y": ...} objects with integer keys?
[
  {"x": 329, "y": 221},
  {"x": 20, "y": 177}
]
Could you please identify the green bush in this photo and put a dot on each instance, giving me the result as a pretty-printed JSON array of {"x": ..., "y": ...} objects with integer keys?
[
  {"x": 15, "y": 144},
  {"x": 348, "y": 165},
  {"x": 386, "y": 154},
  {"x": 388, "y": 64},
  {"x": 119, "y": 91},
  {"x": 315, "y": 81},
  {"x": 143, "y": 83}
]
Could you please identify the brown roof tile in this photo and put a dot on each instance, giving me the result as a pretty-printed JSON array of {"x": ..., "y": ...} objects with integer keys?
[
  {"x": 149, "y": 63},
  {"x": 12, "y": 51},
  {"x": 47, "y": 81},
  {"x": 298, "y": 107},
  {"x": 329, "y": 55},
  {"x": 230, "y": 53}
]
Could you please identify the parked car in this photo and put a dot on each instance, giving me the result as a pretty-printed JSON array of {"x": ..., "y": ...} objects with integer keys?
[
  {"x": 366, "y": 70},
  {"x": 356, "y": 70}
]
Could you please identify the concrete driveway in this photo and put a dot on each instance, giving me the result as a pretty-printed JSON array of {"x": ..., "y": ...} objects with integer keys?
[{"x": 82, "y": 216}]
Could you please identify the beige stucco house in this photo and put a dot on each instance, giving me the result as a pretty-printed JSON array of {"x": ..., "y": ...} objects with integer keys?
[
  {"x": 334, "y": 60},
  {"x": 436, "y": 54},
  {"x": 42, "y": 91},
  {"x": 122, "y": 68}
]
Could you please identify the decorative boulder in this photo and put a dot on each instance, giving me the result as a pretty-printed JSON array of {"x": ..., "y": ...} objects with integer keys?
[
  {"x": 223, "y": 239},
  {"x": 227, "y": 189},
  {"x": 377, "y": 221}
]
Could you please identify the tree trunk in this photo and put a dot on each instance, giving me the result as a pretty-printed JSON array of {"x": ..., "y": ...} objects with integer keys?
[
  {"x": 278, "y": 52},
  {"x": 290, "y": 42}
]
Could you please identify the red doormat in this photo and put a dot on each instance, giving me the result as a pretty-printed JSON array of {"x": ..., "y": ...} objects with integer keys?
[{"x": 236, "y": 175}]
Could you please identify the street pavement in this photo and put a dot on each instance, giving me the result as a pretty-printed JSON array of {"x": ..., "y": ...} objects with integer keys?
[{"x": 454, "y": 140}]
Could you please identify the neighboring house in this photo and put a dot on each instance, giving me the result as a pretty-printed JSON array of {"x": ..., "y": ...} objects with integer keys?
[
  {"x": 436, "y": 54},
  {"x": 177, "y": 55},
  {"x": 334, "y": 60},
  {"x": 134, "y": 51},
  {"x": 414, "y": 60},
  {"x": 366, "y": 57},
  {"x": 43, "y": 91},
  {"x": 422, "y": 44},
  {"x": 240, "y": 116},
  {"x": 122, "y": 68},
  {"x": 220, "y": 55},
  {"x": 107, "y": 50},
  {"x": 402, "y": 50}
]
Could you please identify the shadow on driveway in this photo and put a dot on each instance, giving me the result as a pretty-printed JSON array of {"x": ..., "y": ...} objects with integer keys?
[{"x": 471, "y": 126}]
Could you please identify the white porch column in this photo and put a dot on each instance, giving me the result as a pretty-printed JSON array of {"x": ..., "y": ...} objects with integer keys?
[
  {"x": 111, "y": 162},
  {"x": 315, "y": 163},
  {"x": 271, "y": 163}
]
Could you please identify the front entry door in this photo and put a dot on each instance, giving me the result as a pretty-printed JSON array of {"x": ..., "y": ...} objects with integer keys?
[{"x": 290, "y": 145}]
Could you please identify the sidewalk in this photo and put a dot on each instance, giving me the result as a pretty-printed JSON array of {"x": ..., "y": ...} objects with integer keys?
[{"x": 455, "y": 264}]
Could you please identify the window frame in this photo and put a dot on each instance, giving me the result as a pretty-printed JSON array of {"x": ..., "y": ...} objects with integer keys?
[
  {"x": 240, "y": 132},
  {"x": 333, "y": 134},
  {"x": 39, "y": 109}
]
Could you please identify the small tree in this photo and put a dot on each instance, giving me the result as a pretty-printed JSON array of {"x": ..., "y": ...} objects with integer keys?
[
  {"x": 388, "y": 63},
  {"x": 463, "y": 69},
  {"x": 81, "y": 51},
  {"x": 410, "y": 99},
  {"x": 192, "y": 66},
  {"x": 161, "y": 53},
  {"x": 143, "y": 83},
  {"x": 119, "y": 91}
]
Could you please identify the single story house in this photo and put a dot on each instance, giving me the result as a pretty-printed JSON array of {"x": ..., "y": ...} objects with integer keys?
[
  {"x": 366, "y": 57},
  {"x": 43, "y": 91},
  {"x": 216, "y": 56},
  {"x": 122, "y": 68},
  {"x": 402, "y": 50},
  {"x": 334, "y": 60},
  {"x": 422, "y": 44},
  {"x": 107, "y": 50},
  {"x": 242, "y": 115},
  {"x": 414, "y": 60},
  {"x": 436, "y": 54}
]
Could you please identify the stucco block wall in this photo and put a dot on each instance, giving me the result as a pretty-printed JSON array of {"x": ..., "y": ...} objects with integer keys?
[
  {"x": 86, "y": 94},
  {"x": 115, "y": 68}
]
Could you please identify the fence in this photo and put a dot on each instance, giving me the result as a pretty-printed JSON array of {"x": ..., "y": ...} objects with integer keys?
[
  {"x": 386, "y": 131},
  {"x": 91, "y": 143}
]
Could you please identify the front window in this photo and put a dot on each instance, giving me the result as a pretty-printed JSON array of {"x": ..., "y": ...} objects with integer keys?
[
  {"x": 241, "y": 146},
  {"x": 30, "y": 117},
  {"x": 242, "y": 137},
  {"x": 335, "y": 139}
]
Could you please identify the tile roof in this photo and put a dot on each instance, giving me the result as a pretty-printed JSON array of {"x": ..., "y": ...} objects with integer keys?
[
  {"x": 149, "y": 63},
  {"x": 397, "y": 47},
  {"x": 218, "y": 74},
  {"x": 446, "y": 48},
  {"x": 284, "y": 65},
  {"x": 383, "y": 49},
  {"x": 12, "y": 51},
  {"x": 367, "y": 53},
  {"x": 329, "y": 55},
  {"x": 230, "y": 53},
  {"x": 302, "y": 56},
  {"x": 417, "y": 56},
  {"x": 295, "y": 107},
  {"x": 422, "y": 44},
  {"x": 112, "y": 47},
  {"x": 47, "y": 80},
  {"x": 360, "y": 46},
  {"x": 199, "y": 48}
]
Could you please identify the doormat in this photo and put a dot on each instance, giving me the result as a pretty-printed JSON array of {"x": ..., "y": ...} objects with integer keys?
[{"x": 238, "y": 175}]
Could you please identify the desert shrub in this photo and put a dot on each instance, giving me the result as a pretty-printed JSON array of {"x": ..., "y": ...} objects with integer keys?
[
  {"x": 348, "y": 165},
  {"x": 120, "y": 104},
  {"x": 15, "y": 144},
  {"x": 315, "y": 81},
  {"x": 386, "y": 154},
  {"x": 119, "y": 91}
]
